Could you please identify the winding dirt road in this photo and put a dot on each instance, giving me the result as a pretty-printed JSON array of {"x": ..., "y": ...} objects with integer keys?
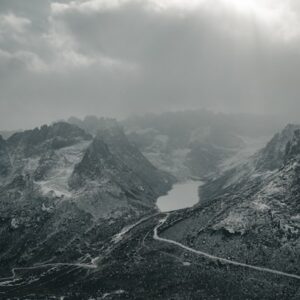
[
  {"x": 216, "y": 258},
  {"x": 118, "y": 237},
  {"x": 93, "y": 265}
]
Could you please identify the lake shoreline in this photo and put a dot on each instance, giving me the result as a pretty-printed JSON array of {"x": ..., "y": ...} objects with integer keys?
[{"x": 182, "y": 195}]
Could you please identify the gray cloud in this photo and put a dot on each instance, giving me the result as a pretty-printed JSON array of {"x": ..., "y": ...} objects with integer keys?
[{"x": 128, "y": 56}]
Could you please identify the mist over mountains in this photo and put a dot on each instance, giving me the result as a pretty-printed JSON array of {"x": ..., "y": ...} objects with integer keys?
[
  {"x": 78, "y": 199},
  {"x": 149, "y": 149},
  {"x": 191, "y": 143}
]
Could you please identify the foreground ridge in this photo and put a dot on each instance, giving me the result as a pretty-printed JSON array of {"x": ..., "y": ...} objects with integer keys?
[
  {"x": 92, "y": 265},
  {"x": 209, "y": 256}
]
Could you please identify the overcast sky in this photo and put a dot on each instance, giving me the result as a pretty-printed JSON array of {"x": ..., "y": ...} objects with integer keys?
[{"x": 118, "y": 57}]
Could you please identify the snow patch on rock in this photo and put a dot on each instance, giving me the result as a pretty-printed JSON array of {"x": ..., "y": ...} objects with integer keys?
[{"x": 57, "y": 180}]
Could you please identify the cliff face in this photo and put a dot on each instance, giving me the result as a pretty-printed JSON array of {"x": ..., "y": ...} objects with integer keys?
[{"x": 273, "y": 155}]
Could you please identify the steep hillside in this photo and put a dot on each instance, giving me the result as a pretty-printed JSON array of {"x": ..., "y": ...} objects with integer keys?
[
  {"x": 62, "y": 193},
  {"x": 115, "y": 171},
  {"x": 252, "y": 213}
]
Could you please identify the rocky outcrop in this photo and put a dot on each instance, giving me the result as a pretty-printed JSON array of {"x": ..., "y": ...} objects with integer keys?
[
  {"x": 272, "y": 156},
  {"x": 36, "y": 141}
]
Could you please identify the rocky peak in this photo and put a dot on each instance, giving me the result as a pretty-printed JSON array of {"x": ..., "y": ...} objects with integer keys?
[
  {"x": 112, "y": 158},
  {"x": 293, "y": 147},
  {"x": 56, "y": 136},
  {"x": 91, "y": 166},
  {"x": 273, "y": 155}
]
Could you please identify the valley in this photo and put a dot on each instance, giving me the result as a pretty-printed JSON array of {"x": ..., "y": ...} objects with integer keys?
[
  {"x": 139, "y": 240},
  {"x": 149, "y": 150},
  {"x": 85, "y": 215}
]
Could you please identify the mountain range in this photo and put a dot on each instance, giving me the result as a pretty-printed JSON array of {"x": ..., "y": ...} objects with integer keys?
[{"x": 78, "y": 214}]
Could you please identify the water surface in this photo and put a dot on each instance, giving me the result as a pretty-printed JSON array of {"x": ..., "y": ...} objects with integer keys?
[{"x": 182, "y": 195}]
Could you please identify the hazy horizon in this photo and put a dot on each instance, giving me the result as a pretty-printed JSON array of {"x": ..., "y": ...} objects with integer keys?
[{"x": 282, "y": 120}]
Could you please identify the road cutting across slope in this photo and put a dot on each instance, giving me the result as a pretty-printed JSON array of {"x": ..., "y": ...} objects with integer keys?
[{"x": 216, "y": 258}]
